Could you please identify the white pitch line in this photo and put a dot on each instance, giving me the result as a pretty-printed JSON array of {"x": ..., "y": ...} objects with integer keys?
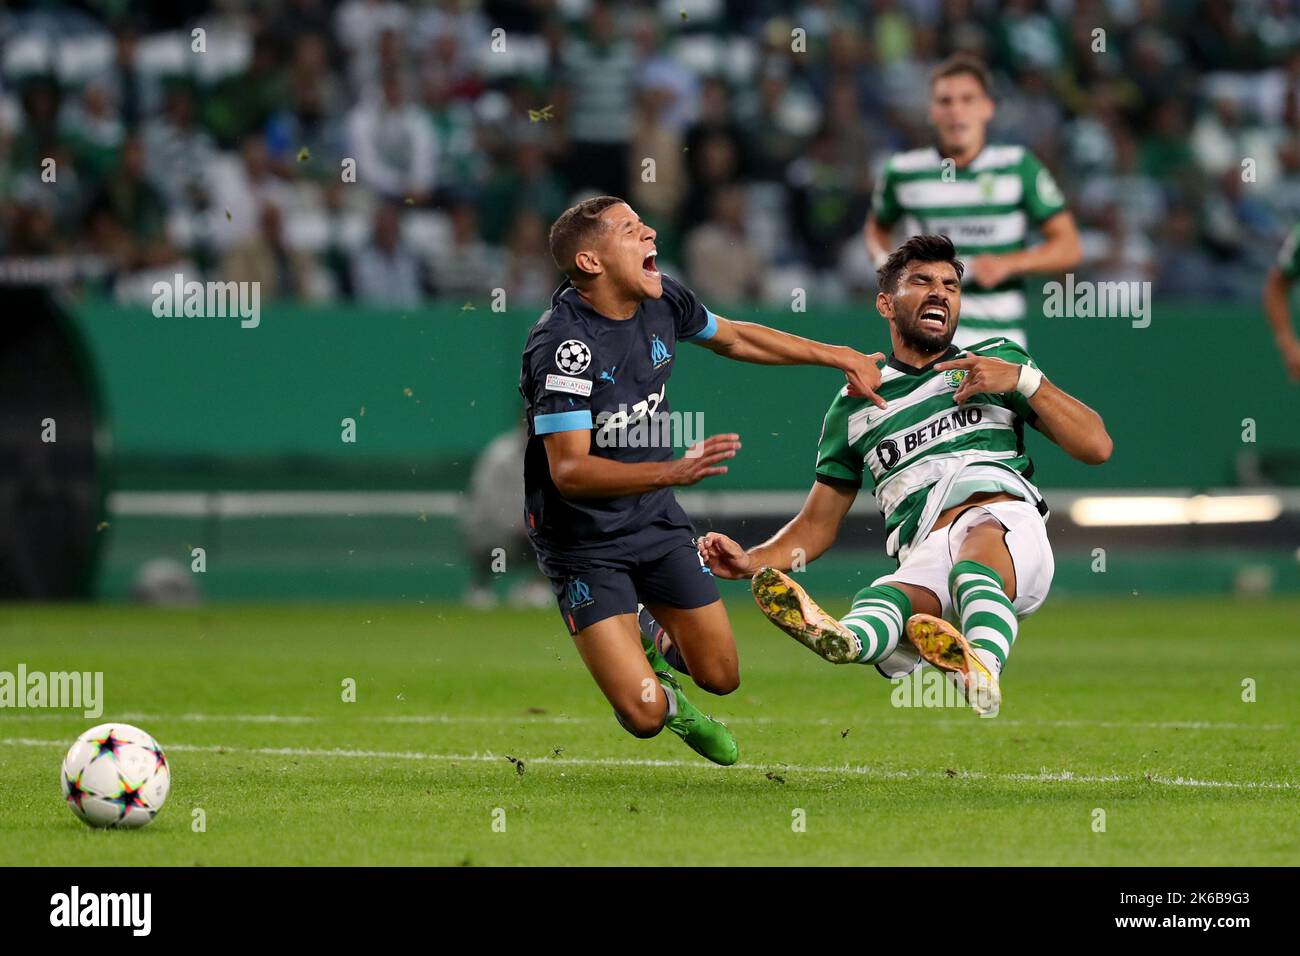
[
  {"x": 526, "y": 719},
  {"x": 1043, "y": 776}
]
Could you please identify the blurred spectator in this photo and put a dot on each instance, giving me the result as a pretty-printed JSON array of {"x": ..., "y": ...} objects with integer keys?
[
  {"x": 1185, "y": 269},
  {"x": 528, "y": 183},
  {"x": 600, "y": 74},
  {"x": 461, "y": 163},
  {"x": 1114, "y": 252},
  {"x": 179, "y": 151},
  {"x": 719, "y": 166},
  {"x": 393, "y": 144},
  {"x": 128, "y": 88},
  {"x": 721, "y": 264},
  {"x": 243, "y": 102},
  {"x": 384, "y": 271},
  {"x": 451, "y": 38},
  {"x": 676, "y": 89},
  {"x": 1221, "y": 139},
  {"x": 241, "y": 189},
  {"x": 93, "y": 131},
  {"x": 308, "y": 136},
  {"x": 656, "y": 191},
  {"x": 163, "y": 161},
  {"x": 358, "y": 25},
  {"x": 129, "y": 214},
  {"x": 714, "y": 119},
  {"x": 530, "y": 273},
  {"x": 265, "y": 258},
  {"x": 829, "y": 201},
  {"x": 33, "y": 231},
  {"x": 778, "y": 121},
  {"x": 39, "y": 136},
  {"x": 466, "y": 267}
]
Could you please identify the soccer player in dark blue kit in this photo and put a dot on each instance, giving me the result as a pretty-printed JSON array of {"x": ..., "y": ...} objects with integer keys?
[{"x": 601, "y": 514}]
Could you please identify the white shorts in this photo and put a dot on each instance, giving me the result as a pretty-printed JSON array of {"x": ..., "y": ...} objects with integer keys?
[{"x": 928, "y": 565}]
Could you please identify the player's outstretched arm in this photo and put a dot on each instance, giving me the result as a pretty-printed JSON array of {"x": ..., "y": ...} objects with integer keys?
[
  {"x": 1060, "y": 251},
  {"x": 579, "y": 474},
  {"x": 751, "y": 342},
  {"x": 1277, "y": 308},
  {"x": 879, "y": 240},
  {"x": 808, "y": 535},
  {"x": 1061, "y": 417}
]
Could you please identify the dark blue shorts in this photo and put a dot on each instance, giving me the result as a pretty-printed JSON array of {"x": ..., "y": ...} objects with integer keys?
[{"x": 677, "y": 578}]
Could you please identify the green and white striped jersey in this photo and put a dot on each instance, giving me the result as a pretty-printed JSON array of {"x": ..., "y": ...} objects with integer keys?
[
  {"x": 924, "y": 446},
  {"x": 986, "y": 206},
  {"x": 1288, "y": 257}
]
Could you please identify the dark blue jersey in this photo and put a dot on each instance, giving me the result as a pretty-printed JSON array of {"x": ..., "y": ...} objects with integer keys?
[{"x": 584, "y": 371}]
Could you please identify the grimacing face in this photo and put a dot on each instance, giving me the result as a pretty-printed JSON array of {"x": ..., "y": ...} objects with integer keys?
[
  {"x": 925, "y": 306},
  {"x": 625, "y": 252},
  {"x": 960, "y": 111}
]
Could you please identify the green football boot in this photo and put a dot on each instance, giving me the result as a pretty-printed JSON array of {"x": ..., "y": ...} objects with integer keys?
[
  {"x": 707, "y": 737},
  {"x": 657, "y": 662}
]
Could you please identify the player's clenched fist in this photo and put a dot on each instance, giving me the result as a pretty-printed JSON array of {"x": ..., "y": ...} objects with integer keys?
[
  {"x": 724, "y": 557},
  {"x": 703, "y": 459}
]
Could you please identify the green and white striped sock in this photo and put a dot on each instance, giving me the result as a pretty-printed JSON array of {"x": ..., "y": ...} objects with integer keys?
[
  {"x": 987, "y": 618},
  {"x": 877, "y": 617}
]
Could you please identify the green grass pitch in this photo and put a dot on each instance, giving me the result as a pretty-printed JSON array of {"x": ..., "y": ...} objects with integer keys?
[{"x": 1129, "y": 706}]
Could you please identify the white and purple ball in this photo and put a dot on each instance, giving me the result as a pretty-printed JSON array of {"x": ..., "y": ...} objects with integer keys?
[{"x": 115, "y": 775}]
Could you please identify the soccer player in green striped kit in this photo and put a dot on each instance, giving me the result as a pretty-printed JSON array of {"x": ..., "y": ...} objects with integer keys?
[
  {"x": 946, "y": 459},
  {"x": 984, "y": 197}
]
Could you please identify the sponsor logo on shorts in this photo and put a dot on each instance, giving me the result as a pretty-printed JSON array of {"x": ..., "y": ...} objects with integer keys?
[{"x": 567, "y": 383}]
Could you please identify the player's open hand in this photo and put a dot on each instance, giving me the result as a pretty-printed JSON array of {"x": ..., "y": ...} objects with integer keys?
[
  {"x": 724, "y": 557},
  {"x": 983, "y": 374},
  {"x": 704, "y": 459},
  {"x": 989, "y": 270},
  {"x": 863, "y": 373}
]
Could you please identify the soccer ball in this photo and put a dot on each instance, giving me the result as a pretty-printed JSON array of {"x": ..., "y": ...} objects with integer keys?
[
  {"x": 115, "y": 775},
  {"x": 573, "y": 356}
]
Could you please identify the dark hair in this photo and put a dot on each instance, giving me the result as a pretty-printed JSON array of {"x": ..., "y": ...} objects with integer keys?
[
  {"x": 575, "y": 228},
  {"x": 917, "y": 249},
  {"x": 963, "y": 64}
]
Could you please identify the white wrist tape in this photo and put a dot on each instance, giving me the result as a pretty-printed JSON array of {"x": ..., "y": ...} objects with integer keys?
[{"x": 1030, "y": 380}]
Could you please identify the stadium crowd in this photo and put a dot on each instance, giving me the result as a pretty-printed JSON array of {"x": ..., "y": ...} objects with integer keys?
[{"x": 474, "y": 123}]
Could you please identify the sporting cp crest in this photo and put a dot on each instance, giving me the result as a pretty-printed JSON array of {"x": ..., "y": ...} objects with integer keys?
[{"x": 954, "y": 377}]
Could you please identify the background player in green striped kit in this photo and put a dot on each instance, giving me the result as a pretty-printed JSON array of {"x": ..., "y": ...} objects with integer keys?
[
  {"x": 945, "y": 457},
  {"x": 984, "y": 200},
  {"x": 1277, "y": 302}
]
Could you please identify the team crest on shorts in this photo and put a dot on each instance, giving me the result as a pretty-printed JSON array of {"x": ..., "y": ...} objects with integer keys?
[
  {"x": 573, "y": 357},
  {"x": 954, "y": 377},
  {"x": 577, "y": 593}
]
